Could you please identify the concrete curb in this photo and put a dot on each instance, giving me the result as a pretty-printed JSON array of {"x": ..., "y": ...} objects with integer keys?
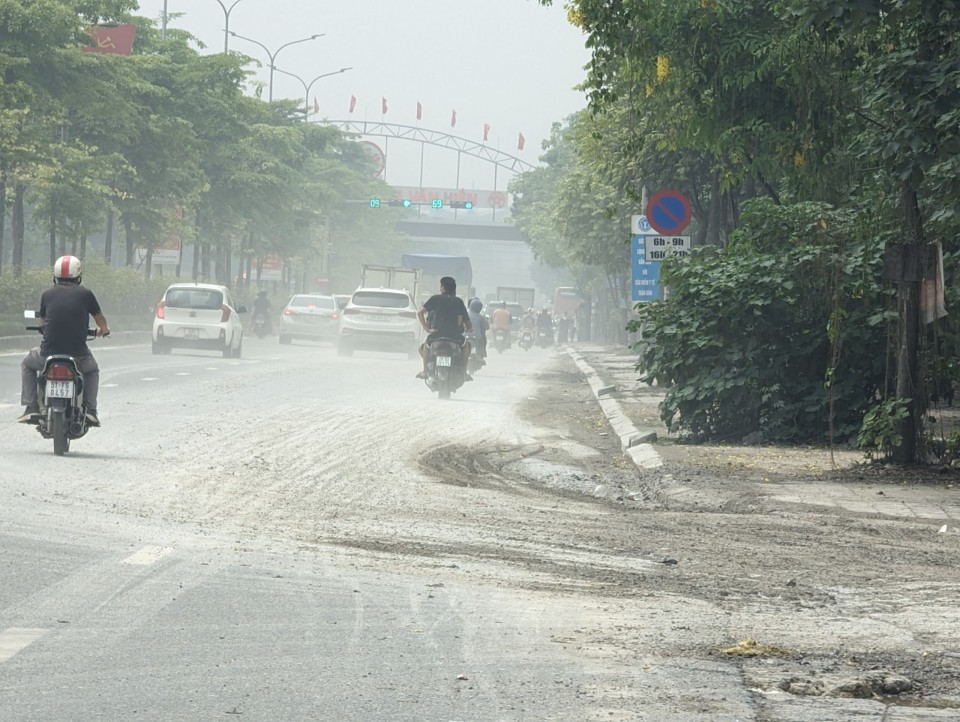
[{"x": 637, "y": 445}]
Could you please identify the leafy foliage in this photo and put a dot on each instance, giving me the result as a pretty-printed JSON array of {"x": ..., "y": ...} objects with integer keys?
[{"x": 741, "y": 344}]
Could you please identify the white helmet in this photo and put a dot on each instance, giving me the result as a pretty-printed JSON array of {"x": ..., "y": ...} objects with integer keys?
[{"x": 67, "y": 268}]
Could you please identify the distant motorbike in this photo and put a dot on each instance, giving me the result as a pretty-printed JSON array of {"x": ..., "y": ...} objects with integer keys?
[
  {"x": 445, "y": 367},
  {"x": 261, "y": 327},
  {"x": 501, "y": 341},
  {"x": 544, "y": 337},
  {"x": 526, "y": 339},
  {"x": 60, "y": 396},
  {"x": 476, "y": 361}
]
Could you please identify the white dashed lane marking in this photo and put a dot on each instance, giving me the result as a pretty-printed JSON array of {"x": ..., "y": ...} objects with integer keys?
[
  {"x": 15, "y": 639},
  {"x": 149, "y": 378}
]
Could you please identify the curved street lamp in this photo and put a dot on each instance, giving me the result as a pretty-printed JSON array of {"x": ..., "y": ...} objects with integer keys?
[
  {"x": 274, "y": 54},
  {"x": 226, "y": 22},
  {"x": 307, "y": 86}
]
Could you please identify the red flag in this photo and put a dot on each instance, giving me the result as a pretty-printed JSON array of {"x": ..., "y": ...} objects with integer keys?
[
  {"x": 116, "y": 39},
  {"x": 453, "y": 119},
  {"x": 316, "y": 105},
  {"x": 521, "y": 141},
  {"x": 353, "y": 102},
  {"x": 486, "y": 131},
  {"x": 419, "y": 111},
  {"x": 383, "y": 106}
]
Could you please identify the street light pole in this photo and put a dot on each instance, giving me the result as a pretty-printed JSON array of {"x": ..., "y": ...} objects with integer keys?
[
  {"x": 307, "y": 86},
  {"x": 226, "y": 22},
  {"x": 274, "y": 54}
]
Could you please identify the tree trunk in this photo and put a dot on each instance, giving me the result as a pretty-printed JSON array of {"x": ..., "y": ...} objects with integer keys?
[
  {"x": 3, "y": 214},
  {"x": 713, "y": 215},
  {"x": 108, "y": 242},
  {"x": 129, "y": 239},
  {"x": 228, "y": 266},
  {"x": 53, "y": 238},
  {"x": 909, "y": 383},
  {"x": 18, "y": 227},
  {"x": 148, "y": 263},
  {"x": 205, "y": 262},
  {"x": 83, "y": 243}
]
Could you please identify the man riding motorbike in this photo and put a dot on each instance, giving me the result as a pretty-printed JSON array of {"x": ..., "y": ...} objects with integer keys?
[
  {"x": 480, "y": 325},
  {"x": 545, "y": 324},
  {"x": 261, "y": 308},
  {"x": 65, "y": 310},
  {"x": 450, "y": 317},
  {"x": 501, "y": 319}
]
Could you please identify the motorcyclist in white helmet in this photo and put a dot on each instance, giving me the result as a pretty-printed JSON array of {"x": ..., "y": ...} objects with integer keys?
[{"x": 65, "y": 311}]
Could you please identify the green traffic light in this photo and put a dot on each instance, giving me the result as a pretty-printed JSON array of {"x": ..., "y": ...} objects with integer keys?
[
  {"x": 468, "y": 205},
  {"x": 407, "y": 203}
]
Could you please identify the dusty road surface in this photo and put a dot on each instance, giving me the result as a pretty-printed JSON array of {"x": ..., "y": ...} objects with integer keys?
[{"x": 298, "y": 536}]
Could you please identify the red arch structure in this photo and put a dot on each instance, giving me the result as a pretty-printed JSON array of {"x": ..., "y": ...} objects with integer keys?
[{"x": 433, "y": 137}]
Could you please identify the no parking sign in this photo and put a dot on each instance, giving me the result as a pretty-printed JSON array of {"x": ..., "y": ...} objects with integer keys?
[{"x": 668, "y": 212}]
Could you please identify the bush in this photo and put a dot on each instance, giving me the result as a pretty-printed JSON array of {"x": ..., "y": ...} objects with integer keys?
[
  {"x": 126, "y": 297},
  {"x": 743, "y": 343}
]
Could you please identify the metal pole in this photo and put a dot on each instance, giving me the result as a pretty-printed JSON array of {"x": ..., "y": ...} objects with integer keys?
[
  {"x": 163, "y": 31},
  {"x": 495, "y": 169},
  {"x": 422, "y": 145},
  {"x": 274, "y": 54},
  {"x": 458, "y": 181}
]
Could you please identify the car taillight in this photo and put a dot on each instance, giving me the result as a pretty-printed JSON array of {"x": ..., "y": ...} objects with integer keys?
[
  {"x": 59, "y": 372},
  {"x": 226, "y": 313},
  {"x": 160, "y": 312},
  {"x": 334, "y": 315},
  {"x": 351, "y": 311},
  {"x": 288, "y": 312},
  {"x": 408, "y": 314}
]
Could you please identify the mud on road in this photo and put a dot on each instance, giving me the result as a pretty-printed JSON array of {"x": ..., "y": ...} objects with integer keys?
[{"x": 839, "y": 603}]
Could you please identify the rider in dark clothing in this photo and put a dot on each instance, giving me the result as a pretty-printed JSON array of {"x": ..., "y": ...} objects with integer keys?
[
  {"x": 65, "y": 311},
  {"x": 449, "y": 319},
  {"x": 261, "y": 307}
]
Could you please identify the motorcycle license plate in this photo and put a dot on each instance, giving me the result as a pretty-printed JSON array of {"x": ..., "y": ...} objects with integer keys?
[
  {"x": 192, "y": 333},
  {"x": 444, "y": 360},
  {"x": 59, "y": 389}
]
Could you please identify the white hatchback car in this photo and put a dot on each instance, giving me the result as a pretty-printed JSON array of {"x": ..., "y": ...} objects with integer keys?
[
  {"x": 381, "y": 319},
  {"x": 198, "y": 315}
]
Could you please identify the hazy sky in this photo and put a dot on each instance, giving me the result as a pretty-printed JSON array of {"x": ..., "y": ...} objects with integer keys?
[{"x": 509, "y": 63}]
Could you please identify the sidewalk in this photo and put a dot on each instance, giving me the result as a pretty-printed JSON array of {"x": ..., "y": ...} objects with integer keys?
[{"x": 713, "y": 475}]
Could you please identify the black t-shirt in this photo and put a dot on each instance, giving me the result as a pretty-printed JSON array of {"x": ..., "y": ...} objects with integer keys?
[
  {"x": 66, "y": 309},
  {"x": 445, "y": 310}
]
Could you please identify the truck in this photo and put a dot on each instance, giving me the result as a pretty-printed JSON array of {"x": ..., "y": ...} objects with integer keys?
[
  {"x": 513, "y": 294},
  {"x": 433, "y": 267},
  {"x": 402, "y": 278}
]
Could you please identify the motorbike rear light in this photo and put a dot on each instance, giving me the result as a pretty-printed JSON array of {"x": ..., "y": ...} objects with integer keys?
[
  {"x": 161, "y": 313},
  {"x": 351, "y": 311},
  {"x": 59, "y": 372},
  {"x": 225, "y": 316}
]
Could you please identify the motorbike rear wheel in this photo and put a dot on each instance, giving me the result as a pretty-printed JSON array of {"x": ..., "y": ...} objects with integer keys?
[{"x": 58, "y": 429}]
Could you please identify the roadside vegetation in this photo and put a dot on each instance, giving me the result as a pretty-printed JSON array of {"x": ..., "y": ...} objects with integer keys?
[
  {"x": 818, "y": 144},
  {"x": 162, "y": 145}
]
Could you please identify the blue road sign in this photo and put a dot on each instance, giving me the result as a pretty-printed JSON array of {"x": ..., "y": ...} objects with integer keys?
[{"x": 645, "y": 277}]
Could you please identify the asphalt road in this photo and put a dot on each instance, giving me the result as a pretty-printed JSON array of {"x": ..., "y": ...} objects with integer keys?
[
  {"x": 299, "y": 536},
  {"x": 204, "y": 554}
]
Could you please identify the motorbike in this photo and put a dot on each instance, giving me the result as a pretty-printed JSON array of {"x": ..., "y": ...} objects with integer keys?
[
  {"x": 544, "y": 337},
  {"x": 501, "y": 342},
  {"x": 476, "y": 361},
  {"x": 260, "y": 326},
  {"x": 526, "y": 339},
  {"x": 445, "y": 367},
  {"x": 60, "y": 396}
]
